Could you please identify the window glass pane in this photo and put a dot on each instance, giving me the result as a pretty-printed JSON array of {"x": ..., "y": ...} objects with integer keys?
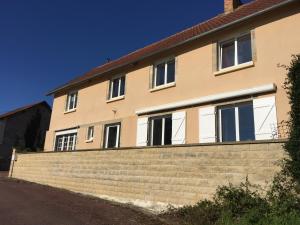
[
  {"x": 122, "y": 90},
  {"x": 75, "y": 140},
  {"x": 168, "y": 131},
  {"x": 160, "y": 74},
  {"x": 115, "y": 88},
  {"x": 65, "y": 142},
  {"x": 71, "y": 142},
  {"x": 228, "y": 124},
  {"x": 228, "y": 51},
  {"x": 90, "y": 133},
  {"x": 157, "y": 132},
  {"x": 112, "y": 137},
  {"x": 244, "y": 49},
  {"x": 75, "y": 100},
  {"x": 171, "y": 71},
  {"x": 246, "y": 122},
  {"x": 71, "y": 102}
]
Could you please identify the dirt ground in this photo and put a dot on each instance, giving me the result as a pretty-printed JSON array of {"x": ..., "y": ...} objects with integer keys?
[{"x": 24, "y": 203}]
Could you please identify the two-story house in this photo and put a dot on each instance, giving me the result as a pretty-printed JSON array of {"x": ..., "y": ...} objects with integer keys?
[{"x": 218, "y": 81}]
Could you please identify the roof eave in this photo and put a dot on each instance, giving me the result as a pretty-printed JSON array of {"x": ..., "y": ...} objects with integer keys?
[{"x": 180, "y": 43}]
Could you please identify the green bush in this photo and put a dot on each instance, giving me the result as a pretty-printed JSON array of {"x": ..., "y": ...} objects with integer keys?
[
  {"x": 292, "y": 87},
  {"x": 244, "y": 205}
]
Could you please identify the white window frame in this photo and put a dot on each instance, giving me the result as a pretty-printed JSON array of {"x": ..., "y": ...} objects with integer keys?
[
  {"x": 163, "y": 118},
  {"x": 90, "y": 134},
  {"x": 107, "y": 128},
  {"x": 236, "y": 115},
  {"x": 66, "y": 136},
  {"x": 165, "y": 61},
  {"x": 235, "y": 40},
  {"x": 68, "y": 101},
  {"x": 119, "y": 78}
]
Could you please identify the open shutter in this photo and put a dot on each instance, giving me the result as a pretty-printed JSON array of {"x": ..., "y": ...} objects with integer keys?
[
  {"x": 207, "y": 125},
  {"x": 178, "y": 128},
  {"x": 265, "y": 118},
  {"x": 142, "y": 132}
]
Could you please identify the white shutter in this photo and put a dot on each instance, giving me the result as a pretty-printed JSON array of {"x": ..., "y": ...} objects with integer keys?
[
  {"x": 142, "y": 130},
  {"x": 178, "y": 128},
  {"x": 265, "y": 118},
  {"x": 207, "y": 125}
]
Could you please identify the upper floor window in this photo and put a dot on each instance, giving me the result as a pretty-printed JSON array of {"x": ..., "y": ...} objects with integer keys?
[
  {"x": 117, "y": 87},
  {"x": 71, "y": 103},
  {"x": 235, "y": 51},
  {"x": 164, "y": 73},
  {"x": 90, "y": 133}
]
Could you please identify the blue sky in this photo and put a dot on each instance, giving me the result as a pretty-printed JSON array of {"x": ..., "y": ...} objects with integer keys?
[{"x": 43, "y": 44}]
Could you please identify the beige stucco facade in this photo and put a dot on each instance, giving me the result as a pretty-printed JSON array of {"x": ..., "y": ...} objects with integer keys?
[{"x": 275, "y": 38}]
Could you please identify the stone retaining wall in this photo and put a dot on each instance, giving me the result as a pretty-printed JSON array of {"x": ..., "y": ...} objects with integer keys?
[{"x": 152, "y": 177}]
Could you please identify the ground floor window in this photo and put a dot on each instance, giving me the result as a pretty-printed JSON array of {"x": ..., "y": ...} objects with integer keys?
[
  {"x": 161, "y": 130},
  {"x": 236, "y": 122},
  {"x": 66, "y": 142},
  {"x": 112, "y": 135}
]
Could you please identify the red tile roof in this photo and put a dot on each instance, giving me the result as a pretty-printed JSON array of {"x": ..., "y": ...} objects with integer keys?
[
  {"x": 21, "y": 109},
  {"x": 224, "y": 20}
]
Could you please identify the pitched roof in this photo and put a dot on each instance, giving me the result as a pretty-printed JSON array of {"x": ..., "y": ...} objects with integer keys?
[
  {"x": 21, "y": 109},
  {"x": 219, "y": 22}
]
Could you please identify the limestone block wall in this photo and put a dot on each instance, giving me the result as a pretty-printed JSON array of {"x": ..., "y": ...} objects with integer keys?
[{"x": 152, "y": 177}]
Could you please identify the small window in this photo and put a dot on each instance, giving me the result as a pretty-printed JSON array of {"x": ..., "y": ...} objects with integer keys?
[
  {"x": 112, "y": 135},
  {"x": 117, "y": 87},
  {"x": 235, "y": 51},
  {"x": 90, "y": 133},
  {"x": 65, "y": 142},
  {"x": 164, "y": 73},
  {"x": 161, "y": 130},
  {"x": 71, "y": 103},
  {"x": 236, "y": 122}
]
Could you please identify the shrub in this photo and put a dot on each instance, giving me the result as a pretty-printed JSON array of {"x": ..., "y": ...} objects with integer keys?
[
  {"x": 292, "y": 87},
  {"x": 243, "y": 205}
]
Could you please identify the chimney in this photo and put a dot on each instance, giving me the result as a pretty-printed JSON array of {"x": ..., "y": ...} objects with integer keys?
[{"x": 231, "y": 5}]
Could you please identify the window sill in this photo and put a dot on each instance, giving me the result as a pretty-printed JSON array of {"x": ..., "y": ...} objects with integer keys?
[
  {"x": 89, "y": 141},
  {"x": 234, "y": 68},
  {"x": 173, "y": 84},
  {"x": 70, "y": 111},
  {"x": 115, "y": 99}
]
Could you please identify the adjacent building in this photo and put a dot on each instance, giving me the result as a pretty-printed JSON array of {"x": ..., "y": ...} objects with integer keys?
[
  {"x": 218, "y": 81},
  {"x": 25, "y": 129}
]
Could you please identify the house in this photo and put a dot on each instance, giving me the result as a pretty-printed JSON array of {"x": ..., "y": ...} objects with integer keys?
[
  {"x": 218, "y": 81},
  {"x": 23, "y": 128}
]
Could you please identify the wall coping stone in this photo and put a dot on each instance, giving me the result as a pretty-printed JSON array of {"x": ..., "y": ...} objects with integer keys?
[{"x": 144, "y": 148}]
